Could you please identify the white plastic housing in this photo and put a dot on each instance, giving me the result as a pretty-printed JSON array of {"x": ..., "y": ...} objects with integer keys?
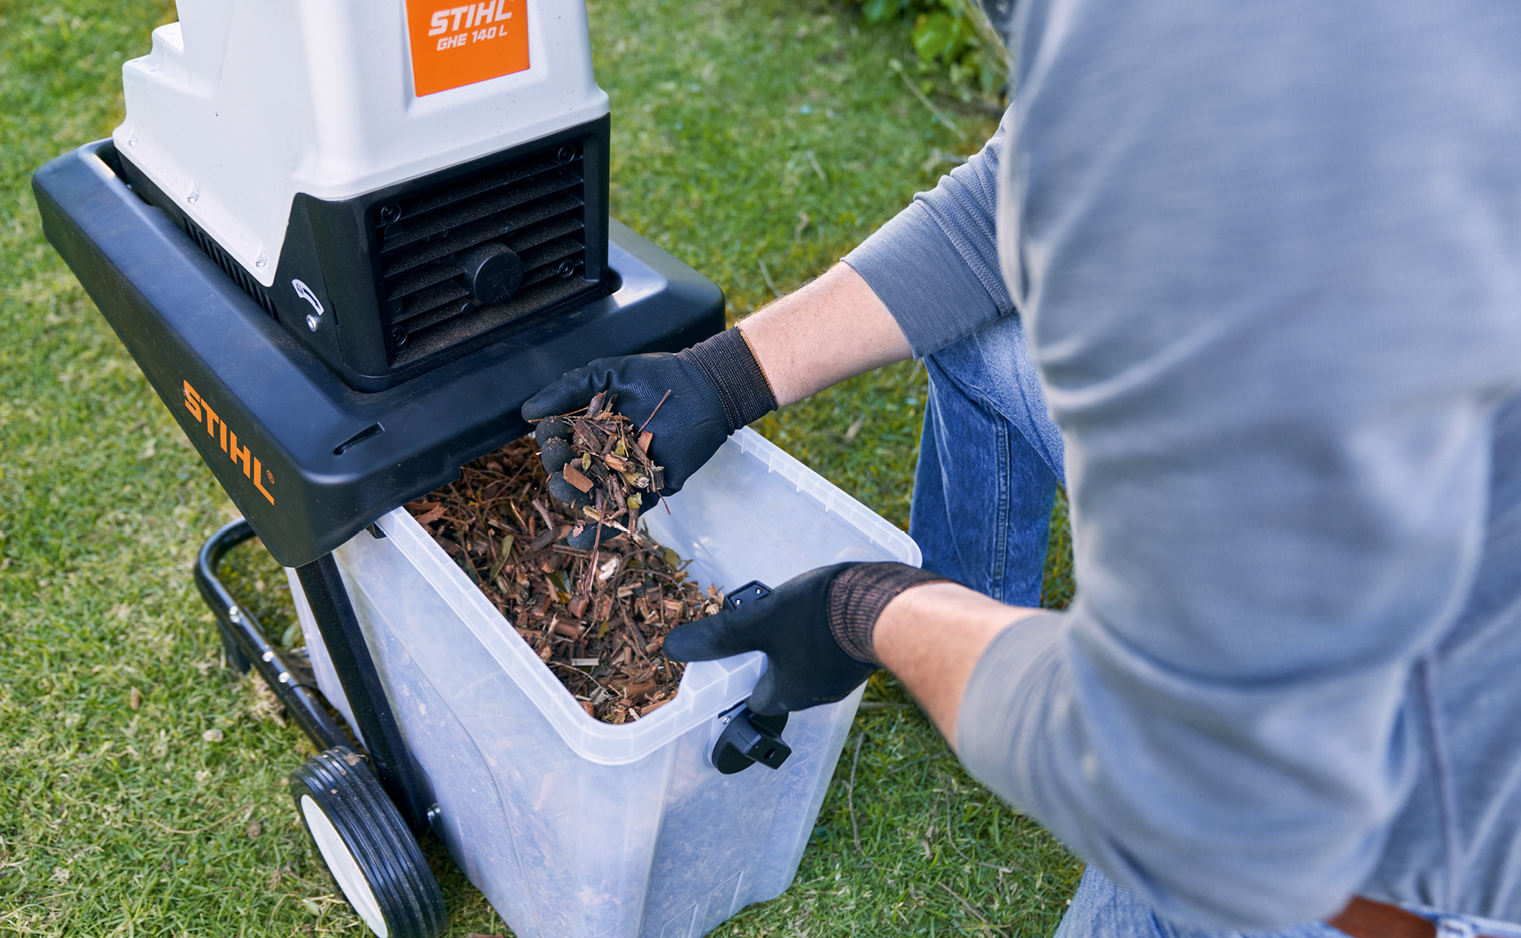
[
  {"x": 243, "y": 103},
  {"x": 571, "y": 827}
]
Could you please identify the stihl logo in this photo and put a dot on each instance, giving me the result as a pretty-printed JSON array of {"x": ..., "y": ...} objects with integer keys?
[
  {"x": 217, "y": 427},
  {"x": 453, "y": 46},
  {"x": 473, "y": 19}
]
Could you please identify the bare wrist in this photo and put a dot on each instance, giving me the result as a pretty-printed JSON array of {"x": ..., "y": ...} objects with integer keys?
[
  {"x": 931, "y": 636},
  {"x": 822, "y": 333}
]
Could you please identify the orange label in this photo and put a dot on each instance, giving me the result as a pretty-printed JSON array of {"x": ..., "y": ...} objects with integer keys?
[{"x": 455, "y": 45}]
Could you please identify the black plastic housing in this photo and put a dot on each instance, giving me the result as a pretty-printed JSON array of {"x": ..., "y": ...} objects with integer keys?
[
  {"x": 377, "y": 286},
  {"x": 309, "y": 460}
]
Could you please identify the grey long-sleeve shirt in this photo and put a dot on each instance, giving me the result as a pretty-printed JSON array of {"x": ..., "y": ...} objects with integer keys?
[{"x": 1268, "y": 256}]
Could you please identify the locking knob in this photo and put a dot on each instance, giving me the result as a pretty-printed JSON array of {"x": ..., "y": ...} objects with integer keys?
[
  {"x": 748, "y": 738},
  {"x": 492, "y": 273}
]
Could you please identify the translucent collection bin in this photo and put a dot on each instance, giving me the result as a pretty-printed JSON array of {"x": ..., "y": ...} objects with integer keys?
[{"x": 573, "y": 828}]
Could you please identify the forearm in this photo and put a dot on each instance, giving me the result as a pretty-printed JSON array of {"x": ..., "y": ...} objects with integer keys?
[
  {"x": 832, "y": 329},
  {"x": 931, "y": 636}
]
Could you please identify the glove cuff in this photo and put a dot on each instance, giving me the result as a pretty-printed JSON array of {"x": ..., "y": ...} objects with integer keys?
[
  {"x": 857, "y": 596},
  {"x": 729, "y": 364}
]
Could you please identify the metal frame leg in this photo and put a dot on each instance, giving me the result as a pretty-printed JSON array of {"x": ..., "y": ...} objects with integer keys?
[{"x": 350, "y": 654}]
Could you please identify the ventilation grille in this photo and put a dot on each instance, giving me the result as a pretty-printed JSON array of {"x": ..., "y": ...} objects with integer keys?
[
  {"x": 230, "y": 267},
  {"x": 533, "y": 205}
]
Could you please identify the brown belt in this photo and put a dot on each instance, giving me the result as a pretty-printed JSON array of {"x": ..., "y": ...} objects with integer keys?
[{"x": 1365, "y": 918}]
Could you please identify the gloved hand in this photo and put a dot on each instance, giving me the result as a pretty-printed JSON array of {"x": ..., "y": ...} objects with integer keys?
[
  {"x": 815, "y": 630},
  {"x": 715, "y": 388}
]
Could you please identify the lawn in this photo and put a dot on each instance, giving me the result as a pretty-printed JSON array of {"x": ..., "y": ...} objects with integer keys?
[{"x": 142, "y": 785}]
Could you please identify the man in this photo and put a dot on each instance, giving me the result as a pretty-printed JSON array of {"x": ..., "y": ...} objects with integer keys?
[{"x": 1267, "y": 258}]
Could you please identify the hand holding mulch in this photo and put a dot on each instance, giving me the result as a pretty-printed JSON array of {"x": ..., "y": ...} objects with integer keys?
[
  {"x": 599, "y": 464},
  {"x": 597, "y": 617},
  {"x": 690, "y": 401}
]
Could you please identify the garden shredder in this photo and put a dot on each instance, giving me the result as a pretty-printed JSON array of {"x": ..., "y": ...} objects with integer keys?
[{"x": 345, "y": 240}]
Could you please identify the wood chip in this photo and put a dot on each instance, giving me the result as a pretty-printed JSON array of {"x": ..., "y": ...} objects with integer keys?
[
  {"x": 430, "y": 512},
  {"x": 574, "y": 477}
]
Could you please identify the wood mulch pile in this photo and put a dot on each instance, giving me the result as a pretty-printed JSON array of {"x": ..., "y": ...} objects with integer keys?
[{"x": 597, "y": 617}]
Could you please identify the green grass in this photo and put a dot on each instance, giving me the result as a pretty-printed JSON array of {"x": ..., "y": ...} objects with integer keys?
[{"x": 123, "y": 821}]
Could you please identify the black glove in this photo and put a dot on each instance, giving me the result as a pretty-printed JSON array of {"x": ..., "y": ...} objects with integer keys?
[
  {"x": 715, "y": 388},
  {"x": 815, "y": 630}
]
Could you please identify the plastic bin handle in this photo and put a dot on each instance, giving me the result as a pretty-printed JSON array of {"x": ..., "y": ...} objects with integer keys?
[{"x": 748, "y": 737}]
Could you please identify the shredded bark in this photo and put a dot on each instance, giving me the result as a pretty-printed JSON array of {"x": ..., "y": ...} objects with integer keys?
[{"x": 598, "y": 618}]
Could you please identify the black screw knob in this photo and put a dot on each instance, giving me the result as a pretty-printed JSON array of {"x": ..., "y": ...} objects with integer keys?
[
  {"x": 390, "y": 213},
  {"x": 398, "y": 337},
  {"x": 749, "y": 738},
  {"x": 566, "y": 154},
  {"x": 566, "y": 268},
  {"x": 492, "y": 272}
]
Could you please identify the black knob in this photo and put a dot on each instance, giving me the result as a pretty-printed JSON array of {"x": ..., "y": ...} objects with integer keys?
[
  {"x": 492, "y": 272},
  {"x": 749, "y": 738}
]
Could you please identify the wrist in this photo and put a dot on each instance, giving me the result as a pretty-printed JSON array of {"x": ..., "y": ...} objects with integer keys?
[
  {"x": 931, "y": 638},
  {"x": 822, "y": 333},
  {"x": 729, "y": 364},
  {"x": 857, "y": 597}
]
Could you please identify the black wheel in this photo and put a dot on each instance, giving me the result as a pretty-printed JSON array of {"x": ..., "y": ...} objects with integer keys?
[{"x": 367, "y": 846}]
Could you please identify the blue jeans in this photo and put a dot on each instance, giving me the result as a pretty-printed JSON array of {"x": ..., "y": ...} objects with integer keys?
[
  {"x": 990, "y": 459},
  {"x": 1100, "y": 909}
]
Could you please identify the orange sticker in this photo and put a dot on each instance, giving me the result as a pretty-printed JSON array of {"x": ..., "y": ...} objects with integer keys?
[{"x": 455, "y": 45}]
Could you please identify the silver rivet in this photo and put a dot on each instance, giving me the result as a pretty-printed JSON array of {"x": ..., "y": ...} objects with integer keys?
[
  {"x": 284, "y": 677},
  {"x": 311, "y": 322},
  {"x": 269, "y": 656}
]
